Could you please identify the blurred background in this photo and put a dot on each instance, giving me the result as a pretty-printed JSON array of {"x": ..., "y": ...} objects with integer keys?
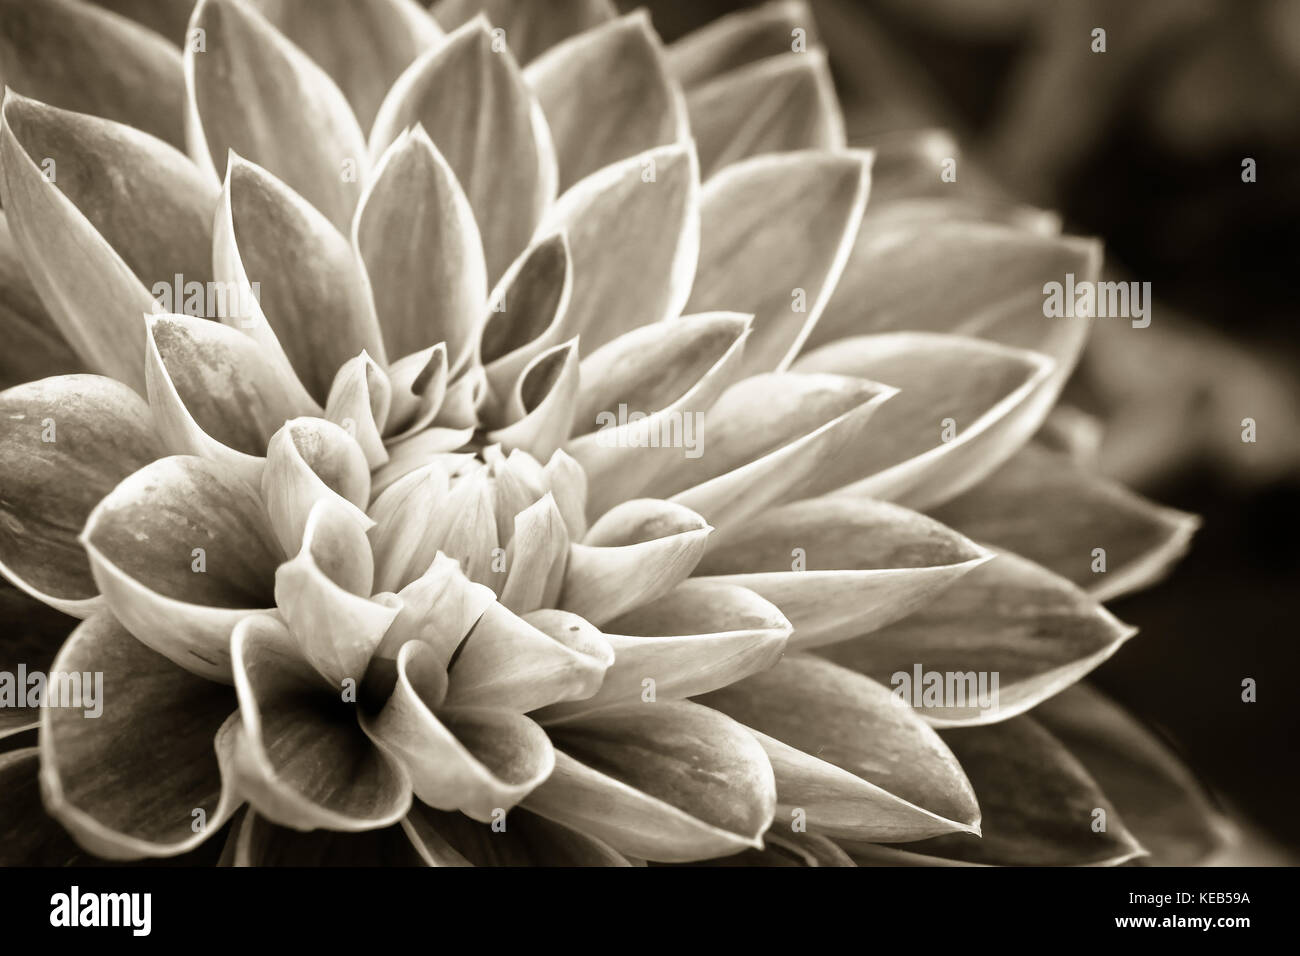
[{"x": 1143, "y": 146}]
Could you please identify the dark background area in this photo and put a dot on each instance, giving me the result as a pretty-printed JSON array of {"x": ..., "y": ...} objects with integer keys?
[{"x": 1143, "y": 146}]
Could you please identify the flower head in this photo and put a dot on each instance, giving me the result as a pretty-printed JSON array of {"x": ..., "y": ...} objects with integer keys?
[{"x": 507, "y": 439}]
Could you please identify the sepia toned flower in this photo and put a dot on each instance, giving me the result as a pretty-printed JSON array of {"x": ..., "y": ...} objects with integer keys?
[{"x": 496, "y": 437}]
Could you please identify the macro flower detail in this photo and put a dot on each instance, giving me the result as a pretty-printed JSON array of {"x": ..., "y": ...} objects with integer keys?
[{"x": 551, "y": 449}]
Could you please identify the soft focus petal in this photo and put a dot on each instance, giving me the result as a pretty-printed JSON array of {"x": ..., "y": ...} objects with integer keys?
[
  {"x": 1046, "y": 508},
  {"x": 65, "y": 442},
  {"x": 607, "y": 95},
  {"x": 531, "y": 26},
  {"x": 364, "y": 45},
  {"x": 747, "y": 261},
  {"x": 669, "y": 781},
  {"x": 123, "y": 789},
  {"x": 968, "y": 278},
  {"x": 839, "y": 568},
  {"x": 77, "y": 57},
  {"x": 745, "y": 36},
  {"x": 879, "y": 773},
  {"x": 780, "y": 104},
  {"x": 1039, "y": 636},
  {"x": 254, "y": 92},
  {"x": 471, "y": 99},
  {"x": 210, "y": 560}
]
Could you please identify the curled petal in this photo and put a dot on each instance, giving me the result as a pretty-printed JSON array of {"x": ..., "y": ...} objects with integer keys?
[
  {"x": 86, "y": 251},
  {"x": 308, "y": 460},
  {"x": 745, "y": 36},
  {"x": 989, "y": 395},
  {"x": 214, "y": 393},
  {"x": 314, "y": 292},
  {"x": 536, "y": 557},
  {"x": 452, "y": 839},
  {"x": 771, "y": 439},
  {"x": 1040, "y": 636},
  {"x": 527, "y": 313},
  {"x": 122, "y": 790},
  {"x": 472, "y": 100},
  {"x": 299, "y": 755},
  {"x": 439, "y": 608},
  {"x": 696, "y": 638},
  {"x": 634, "y": 237},
  {"x": 595, "y": 122},
  {"x": 839, "y": 568},
  {"x": 1046, "y": 508},
  {"x": 539, "y": 413},
  {"x": 523, "y": 663},
  {"x": 783, "y": 103},
  {"x": 472, "y": 759},
  {"x": 364, "y": 45},
  {"x": 879, "y": 772},
  {"x": 78, "y": 57},
  {"x": 416, "y": 233},
  {"x": 359, "y": 402},
  {"x": 1039, "y": 803},
  {"x": 464, "y": 396},
  {"x": 531, "y": 26},
  {"x": 65, "y": 442},
  {"x": 324, "y": 595},
  {"x": 419, "y": 384},
  {"x": 210, "y": 560},
  {"x": 253, "y": 92},
  {"x": 670, "y": 781},
  {"x": 637, "y": 551},
  {"x": 747, "y": 263}
]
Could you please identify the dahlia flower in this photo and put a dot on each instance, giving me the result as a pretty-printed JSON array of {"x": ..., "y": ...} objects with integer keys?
[{"x": 492, "y": 436}]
